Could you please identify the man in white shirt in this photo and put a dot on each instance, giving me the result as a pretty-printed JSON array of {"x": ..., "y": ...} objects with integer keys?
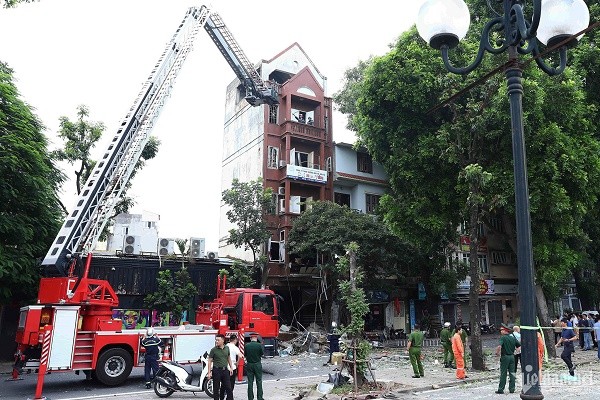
[{"x": 234, "y": 354}]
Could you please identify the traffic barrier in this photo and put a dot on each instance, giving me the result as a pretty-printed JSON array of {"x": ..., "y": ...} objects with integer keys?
[
  {"x": 167, "y": 353},
  {"x": 240, "y": 370}
]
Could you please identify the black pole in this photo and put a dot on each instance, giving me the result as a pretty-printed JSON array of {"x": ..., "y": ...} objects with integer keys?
[{"x": 527, "y": 306}]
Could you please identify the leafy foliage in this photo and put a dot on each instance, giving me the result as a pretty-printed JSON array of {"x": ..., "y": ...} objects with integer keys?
[
  {"x": 13, "y": 3},
  {"x": 239, "y": 275},
  {"x": 29, "y": 210},
  {"x": 80, "y": 137},
  {"x": 427, "y": 154},
  {"x": 174, "y": 293},
  {"x": 248, "y": 202}
]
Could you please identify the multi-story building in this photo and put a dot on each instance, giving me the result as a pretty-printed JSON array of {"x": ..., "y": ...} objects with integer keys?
[
  {"x": 359, "y": 182},
  {"x": 288, "y": 145},
  {"x": 498, "y": 295}
]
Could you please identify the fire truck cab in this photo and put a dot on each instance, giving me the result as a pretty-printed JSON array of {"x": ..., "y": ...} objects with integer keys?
[{"x": 241, "y": 309}]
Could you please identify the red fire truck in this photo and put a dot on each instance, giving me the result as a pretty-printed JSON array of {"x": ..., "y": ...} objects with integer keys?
[
  {"x": 71, "y": 326},
  {"x": 85, "y": 337},
  {"x": 245, "y": 310}
]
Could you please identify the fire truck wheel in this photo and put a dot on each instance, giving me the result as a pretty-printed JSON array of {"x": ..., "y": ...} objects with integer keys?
[
  {"x": 114, "y": 366},
  {"x": 208, "y": 387},
  {"x": 163, "y": 391}
]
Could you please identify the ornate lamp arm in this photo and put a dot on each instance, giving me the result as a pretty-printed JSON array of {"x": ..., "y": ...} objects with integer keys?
[
  {"x": 495, "y": 24},
  {"x": 552, "y": 71}
]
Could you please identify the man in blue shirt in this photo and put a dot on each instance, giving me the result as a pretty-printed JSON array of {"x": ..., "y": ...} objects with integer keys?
[{"x": 567, "y": 337}]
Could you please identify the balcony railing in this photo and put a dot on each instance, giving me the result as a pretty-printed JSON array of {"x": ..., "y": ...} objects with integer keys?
[{"x": 304, "y": 130}]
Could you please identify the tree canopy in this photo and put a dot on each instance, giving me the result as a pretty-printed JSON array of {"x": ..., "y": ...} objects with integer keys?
[
  {"x": 29, "y": 211},
  {"x": 427, "y": 154},
  {"x": 248, "y": 203}
]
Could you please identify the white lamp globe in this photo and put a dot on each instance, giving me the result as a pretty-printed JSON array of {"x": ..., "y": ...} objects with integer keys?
[
  {"x": 443, "y": 22},
  {"x": 560, "y": 19}
]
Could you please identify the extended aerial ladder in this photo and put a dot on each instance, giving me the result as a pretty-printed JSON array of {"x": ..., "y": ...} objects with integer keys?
[{"x": 104, "y": 187}]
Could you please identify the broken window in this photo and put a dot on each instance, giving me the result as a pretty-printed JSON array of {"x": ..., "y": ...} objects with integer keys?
[{"x": 343, "y": 199}]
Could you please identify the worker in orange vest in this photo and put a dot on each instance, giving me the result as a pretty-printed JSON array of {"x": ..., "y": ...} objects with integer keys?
[
  {"x": 541, "y": 351},
  {"x": 459, "y": 352}
]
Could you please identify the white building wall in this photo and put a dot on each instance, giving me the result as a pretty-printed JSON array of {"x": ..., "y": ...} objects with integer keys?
[
  {"x": 242, "y": 156},
  {"x": 144, "y": 227}
]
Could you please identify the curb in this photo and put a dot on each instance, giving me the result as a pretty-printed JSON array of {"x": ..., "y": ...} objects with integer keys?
[{"x": 459, "y": 383}]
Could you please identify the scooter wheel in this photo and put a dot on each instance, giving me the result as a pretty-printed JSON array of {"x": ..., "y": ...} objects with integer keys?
[
  {"x": 208, "y": 387},
  {"x": 163, "y": 391}
]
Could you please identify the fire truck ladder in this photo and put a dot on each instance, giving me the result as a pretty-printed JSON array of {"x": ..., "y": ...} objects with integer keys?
[
  {"x": 104, "y": 187},
  {"x": 257, "y": 91}
]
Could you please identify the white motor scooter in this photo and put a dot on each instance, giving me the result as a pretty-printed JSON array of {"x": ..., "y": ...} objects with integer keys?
[{"x": 173, "y": 377}]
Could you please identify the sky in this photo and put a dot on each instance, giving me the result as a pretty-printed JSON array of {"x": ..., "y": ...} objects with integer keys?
[{"x": 98, "y": 53}]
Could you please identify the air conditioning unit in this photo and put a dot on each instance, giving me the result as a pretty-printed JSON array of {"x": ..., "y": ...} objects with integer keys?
[
  {"x": 329, "y": 164},
  {"x": 281, "y": 190},
  {"x": 197, "y": 246},
  {"x": 212, "y": 255},
  {"x": 132, "y": 244},
  {"x": 165, "y": 246},
  {"x": 282, "y": 163}
]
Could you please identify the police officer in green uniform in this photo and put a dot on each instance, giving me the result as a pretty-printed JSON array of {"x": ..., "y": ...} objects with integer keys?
[
  {"x": 415, "y": 341},
  {"x": 253, "y": 353},
  {"x": 506, "y": 351},
  {"x": 445, "y": 336}
]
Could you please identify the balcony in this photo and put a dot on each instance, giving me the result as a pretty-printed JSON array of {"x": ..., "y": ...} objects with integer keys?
[{"x": 303, "y": 130}]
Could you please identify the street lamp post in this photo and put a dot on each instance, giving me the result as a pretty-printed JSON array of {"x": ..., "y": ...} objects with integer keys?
[{"x": 443, "y": 23}]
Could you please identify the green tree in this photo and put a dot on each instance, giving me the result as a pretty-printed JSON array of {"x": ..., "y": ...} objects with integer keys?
[
  {"x": 175, "y": 292},
  {"x": 238, "y": 275},
  {"x": 353, "y": 295},
  {"x": 427, "y": 154},
  {"x": 29, "y": 211},
  {"x": 80, "y": 137},
  {"x": 322, "y": 232},
  {"x": 248, "y": 203},
  {"x": 13, "y": 3}
]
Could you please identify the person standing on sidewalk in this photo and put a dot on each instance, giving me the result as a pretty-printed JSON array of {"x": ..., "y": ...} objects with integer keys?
[
  {"x": 459, "y": 352},
  {"x": 557, "y": 329},
  {"x": 506, "y": 351},
  {"x": 541, "y": 348},
  {"x": 463, "y": 337},
  {"x": 415, "y": 341},
  {"x": 567, "y": 338},
  {"x": 445, "y": 341},
  {"x": 597, "y": 333},
  {"x": 587, "y": 332},
  {"x": 517, "y": 334},
  {"x": 235, "y": 355},
  {"x": 254, "y": 353},
  {"x": 220, "y": 368},
  {"x": 152, "y": 344}
]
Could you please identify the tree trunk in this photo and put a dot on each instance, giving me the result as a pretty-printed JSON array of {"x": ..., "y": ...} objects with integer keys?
[
  {"x": 544, "y": 317},
  {"x": 478, "y": 362}
]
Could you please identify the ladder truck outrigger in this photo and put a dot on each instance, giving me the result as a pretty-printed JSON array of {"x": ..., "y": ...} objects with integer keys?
[{"x": 71, "y": 325}]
